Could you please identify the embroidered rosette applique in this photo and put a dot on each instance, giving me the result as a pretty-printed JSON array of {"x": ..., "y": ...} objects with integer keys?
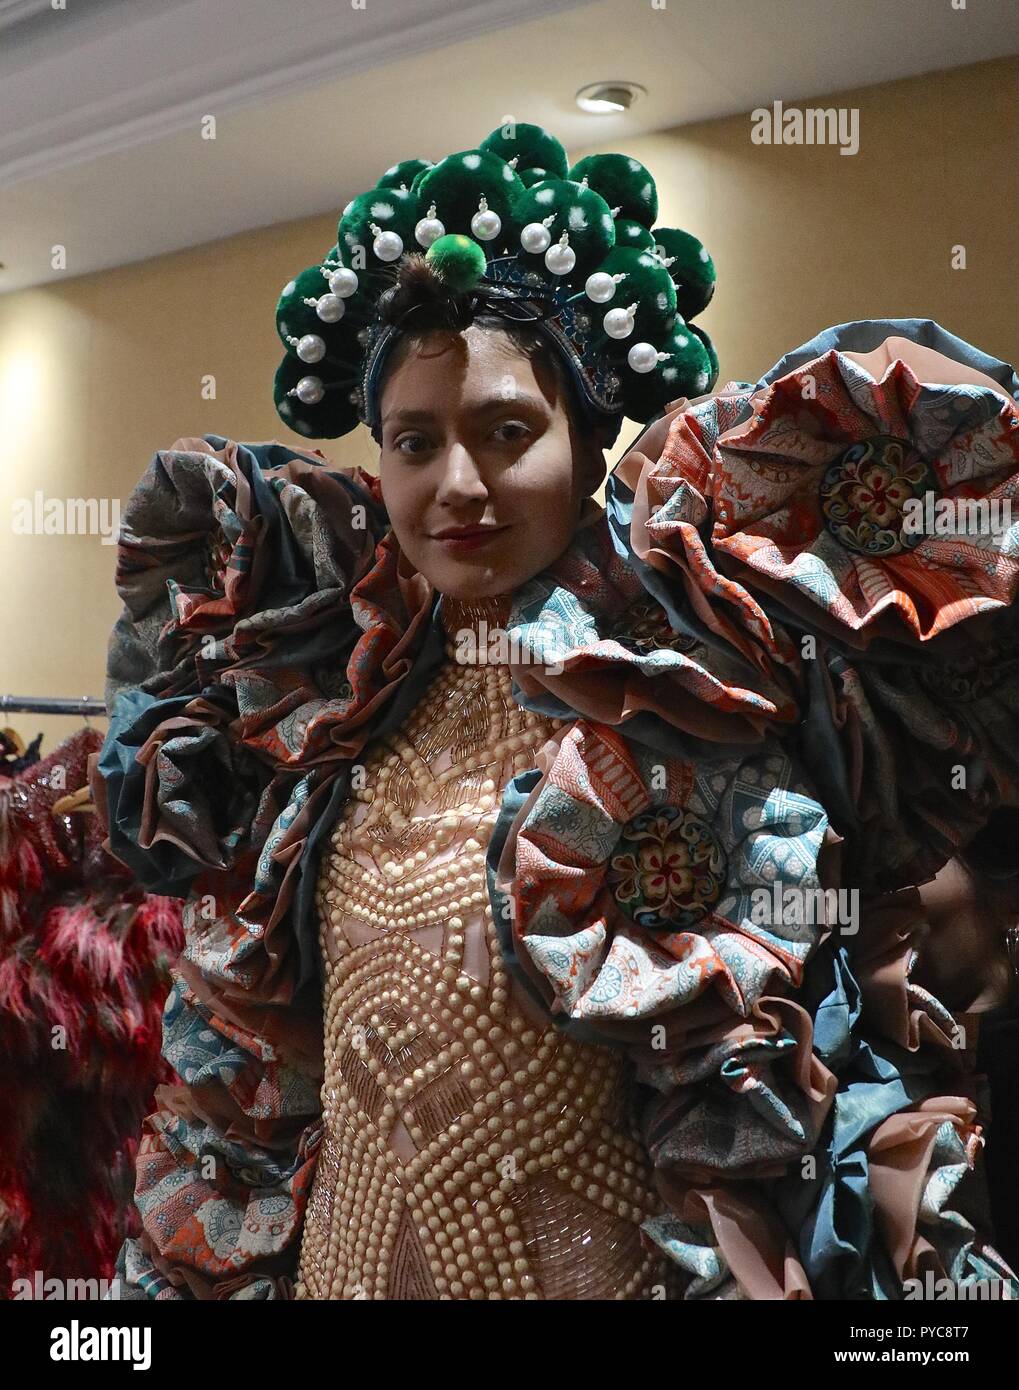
[
  {"x": 669, "y": 869},
  {"x": 866, "y": 492}
]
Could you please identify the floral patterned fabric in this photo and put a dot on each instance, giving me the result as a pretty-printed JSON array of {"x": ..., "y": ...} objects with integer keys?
[
  {"x": 672, "y": 874},
  {"x": 812, "y": 493}
]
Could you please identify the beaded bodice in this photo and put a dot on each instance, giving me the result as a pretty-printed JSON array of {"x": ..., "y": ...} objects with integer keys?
[{"x": 470, "y": 1149}]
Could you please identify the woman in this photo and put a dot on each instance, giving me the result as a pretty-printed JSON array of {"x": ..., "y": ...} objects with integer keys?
[
  {"x": 655, "y": 846},
  {"x": 500, "y": 1156}
]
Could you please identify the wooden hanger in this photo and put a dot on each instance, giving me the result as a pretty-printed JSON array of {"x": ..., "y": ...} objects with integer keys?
[
  {"x": 15, "y": 740},
  {"x": 81, "y": 800}
]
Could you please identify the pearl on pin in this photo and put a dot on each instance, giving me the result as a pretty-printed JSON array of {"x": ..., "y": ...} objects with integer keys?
[
  {"x": 309, "y": 390},
  {"x": 536, "y": 237},
  {"x": 309, "y": 348},
  {"x": 486, "y": 224},
  {"x": 342, "y": 281},
  {"x": 388, "y": 246},
  {"x": 618, "y": 323},
  {"x": 429, "y": 229},
  {"x": 561, "y": 258},
  {"x": 645, "y": 357},
  {"x": 601, "y": 286},
  {"x": 330, "y": 308}
]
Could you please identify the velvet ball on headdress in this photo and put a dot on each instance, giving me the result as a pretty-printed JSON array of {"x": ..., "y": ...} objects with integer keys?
[{"x": 511, "y": 230}]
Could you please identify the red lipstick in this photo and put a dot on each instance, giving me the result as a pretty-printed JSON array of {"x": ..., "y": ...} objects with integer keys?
[{"x": 460, "y": 541}]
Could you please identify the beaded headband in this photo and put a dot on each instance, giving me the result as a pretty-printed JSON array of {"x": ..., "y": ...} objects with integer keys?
[
  {"x": 536, "y": 304},
  {"x": 512, "y": 230}
]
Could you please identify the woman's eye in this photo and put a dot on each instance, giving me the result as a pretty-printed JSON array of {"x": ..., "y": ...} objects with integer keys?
[
  {"x": 408, "y": 439},
  {"x": 513, "y": 425}
]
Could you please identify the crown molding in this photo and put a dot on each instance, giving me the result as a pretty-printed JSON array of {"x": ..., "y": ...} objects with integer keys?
[{"x": 320, "y": 40}]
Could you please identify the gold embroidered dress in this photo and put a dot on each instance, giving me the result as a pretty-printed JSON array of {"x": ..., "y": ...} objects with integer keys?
[{"x": 471, "y": 1150}]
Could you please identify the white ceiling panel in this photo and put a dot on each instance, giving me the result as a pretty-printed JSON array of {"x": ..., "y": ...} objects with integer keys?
[{"x": 101, "y": 104}]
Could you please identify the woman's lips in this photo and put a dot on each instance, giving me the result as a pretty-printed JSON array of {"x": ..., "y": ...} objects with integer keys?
[{"x": 460, "y": 544}]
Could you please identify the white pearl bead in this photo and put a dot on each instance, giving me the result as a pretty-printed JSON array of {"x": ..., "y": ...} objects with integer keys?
[
  {"x": 618, "y": 323},
  {"x": 560, "y": 259},
  {"x": 388, "y": 246},
  {"x": 535, "y": 238},
  {"x": 486, "y": 225},
  {"x": 643, "y": 357},
  {"x": 310, "y": 390},
  {"x": 600, "y": 287},
  {"x": 343, "y": 282},
  {"x": 429, "y": 229},
  {"x": 311, "y": 348},
  {"x": 330, "y": 308}
]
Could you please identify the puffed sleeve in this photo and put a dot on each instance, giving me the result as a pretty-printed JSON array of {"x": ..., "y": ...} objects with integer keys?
[{"x": 237, "y": 694}]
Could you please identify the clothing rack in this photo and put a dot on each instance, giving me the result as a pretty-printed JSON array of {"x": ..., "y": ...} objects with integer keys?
[{"x": 41, "y": 704}]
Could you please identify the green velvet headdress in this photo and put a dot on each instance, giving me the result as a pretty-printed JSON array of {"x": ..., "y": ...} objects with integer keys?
[{"x": 522, "y": 234}]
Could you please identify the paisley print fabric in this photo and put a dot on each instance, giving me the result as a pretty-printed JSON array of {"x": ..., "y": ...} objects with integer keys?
[{"x": 807, "y": 497}]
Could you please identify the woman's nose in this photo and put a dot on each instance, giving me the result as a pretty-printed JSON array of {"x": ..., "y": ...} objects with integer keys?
[{"x": 460, "y": 477}]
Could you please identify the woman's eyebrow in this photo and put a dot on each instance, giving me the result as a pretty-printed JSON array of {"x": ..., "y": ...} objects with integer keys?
[
  {"x": 486, "y": 407},
  {"x": 410, "y": 416},
  {"x": 522, "y": 399}
]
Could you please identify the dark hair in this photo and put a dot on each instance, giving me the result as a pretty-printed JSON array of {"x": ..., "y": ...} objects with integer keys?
[
  {"x": 420, "y": 302},
  {"x": 991, "y": 853}
]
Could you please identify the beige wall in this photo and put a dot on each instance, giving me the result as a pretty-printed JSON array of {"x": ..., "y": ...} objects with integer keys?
[{"x": 99, "y": 372}]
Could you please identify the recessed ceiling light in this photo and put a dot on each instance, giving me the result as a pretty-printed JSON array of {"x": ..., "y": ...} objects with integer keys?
[{"x": 609, "y": 98}]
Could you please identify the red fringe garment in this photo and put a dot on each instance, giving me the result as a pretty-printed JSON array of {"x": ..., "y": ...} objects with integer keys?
[{"x": 85, "y": 956}]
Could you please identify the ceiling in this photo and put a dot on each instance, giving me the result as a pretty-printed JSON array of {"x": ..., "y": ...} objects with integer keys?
[{"x": 101, "y": 103}]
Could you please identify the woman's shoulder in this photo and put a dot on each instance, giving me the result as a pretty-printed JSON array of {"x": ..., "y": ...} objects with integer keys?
[
  {"x": 217, "y": 531},
  {"x": 199, "y": 482}
]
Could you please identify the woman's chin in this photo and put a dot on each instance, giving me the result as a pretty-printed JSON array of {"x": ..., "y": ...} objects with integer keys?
[
  {"x": 466, "y": 585},
  {"x": 471, "y": 576}
]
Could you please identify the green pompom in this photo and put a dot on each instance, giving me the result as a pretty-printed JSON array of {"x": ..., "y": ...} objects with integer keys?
[
  {"x": 631, "y": 233},
  {"x": 333, "y": 415},
  {"x": 709, "y": 348},
  {"x": 530, "y": 177},
  {"x": 402, "y": 175},
  {"x": 458, "y": 260},
  {"x": 389, "y": 209},
  {"x": 531, "y": 145},
  {"x": 296, "y": 319},
  {"x": 692, "y": 269},
  {"x": 623, "y": 182},
  {"x": 686, "y": 372},
  {"x": 579, "y": 212},
  {"x": 646, "y": 283},
  {"x": 456, "y": 186}
]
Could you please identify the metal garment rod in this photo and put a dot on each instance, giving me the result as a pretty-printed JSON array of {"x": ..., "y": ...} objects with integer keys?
[{"x": 41, "y": 704}]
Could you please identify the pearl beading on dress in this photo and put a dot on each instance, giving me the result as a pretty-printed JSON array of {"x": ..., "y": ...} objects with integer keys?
[{"x": 470, "y": 1149}]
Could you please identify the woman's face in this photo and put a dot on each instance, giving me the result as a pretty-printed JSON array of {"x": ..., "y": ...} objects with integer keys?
[{"x": 472, "y": 437}]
